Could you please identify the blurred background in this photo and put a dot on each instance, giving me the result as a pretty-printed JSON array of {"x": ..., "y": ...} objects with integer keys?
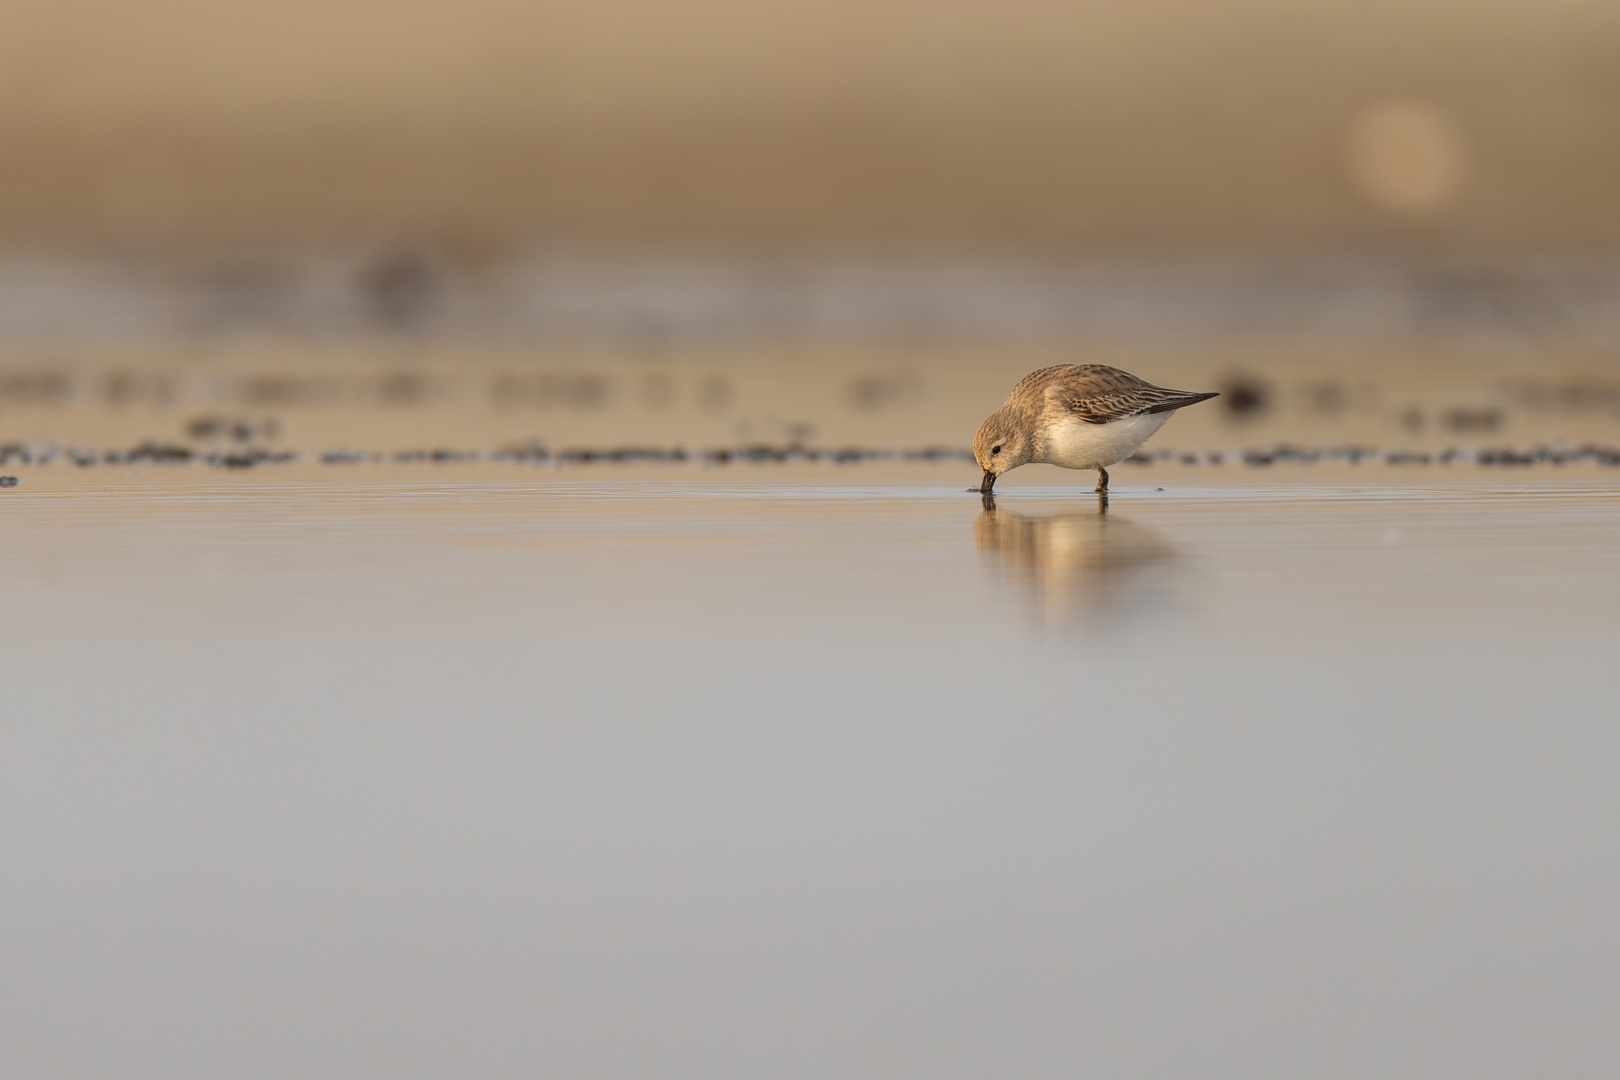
[{"x": 1393, "y": 222}]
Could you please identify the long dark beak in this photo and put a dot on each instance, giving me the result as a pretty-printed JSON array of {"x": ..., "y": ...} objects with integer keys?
[{"x": 988, "y": 483}]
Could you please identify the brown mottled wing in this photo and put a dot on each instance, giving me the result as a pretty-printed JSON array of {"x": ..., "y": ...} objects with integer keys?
[{"x": 1099, "y": 394}]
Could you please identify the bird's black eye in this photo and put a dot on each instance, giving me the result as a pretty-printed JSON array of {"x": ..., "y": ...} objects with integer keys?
[{"x": 994, "y": 450}]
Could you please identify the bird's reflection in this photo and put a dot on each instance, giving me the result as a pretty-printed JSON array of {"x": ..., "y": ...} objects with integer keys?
[{"x": 1074, "y": 563}]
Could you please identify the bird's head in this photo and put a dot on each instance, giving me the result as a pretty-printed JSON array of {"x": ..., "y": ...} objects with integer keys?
[{"x": 1001, "y": 443}]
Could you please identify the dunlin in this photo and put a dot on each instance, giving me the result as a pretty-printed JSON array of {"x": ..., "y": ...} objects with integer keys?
[{"x": 1079, "y": 416}]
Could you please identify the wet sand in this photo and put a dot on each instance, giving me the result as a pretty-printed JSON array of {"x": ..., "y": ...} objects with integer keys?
[
  {"x": 1372, "y": 550},
  {"x": 805, "y": 770}
]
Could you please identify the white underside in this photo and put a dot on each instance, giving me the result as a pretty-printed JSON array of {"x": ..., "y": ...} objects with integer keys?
[{"x": 1075, "y": 444}]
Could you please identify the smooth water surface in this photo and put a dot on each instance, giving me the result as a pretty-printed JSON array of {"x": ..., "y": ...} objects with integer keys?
[{"x": 809, "y": 772}]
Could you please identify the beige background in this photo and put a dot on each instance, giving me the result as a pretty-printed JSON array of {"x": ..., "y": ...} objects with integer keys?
[{"x": 482, "y": 124}]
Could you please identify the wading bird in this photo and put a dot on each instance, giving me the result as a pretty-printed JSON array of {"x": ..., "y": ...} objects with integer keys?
[{"x": 1078, "y": 416}]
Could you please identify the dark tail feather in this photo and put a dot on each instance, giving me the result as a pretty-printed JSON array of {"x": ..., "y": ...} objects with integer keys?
[{"x": 1181, "y": 402}]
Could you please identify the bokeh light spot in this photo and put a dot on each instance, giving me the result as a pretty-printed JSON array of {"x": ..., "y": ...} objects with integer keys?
[{"x": 1407, "y": 157}]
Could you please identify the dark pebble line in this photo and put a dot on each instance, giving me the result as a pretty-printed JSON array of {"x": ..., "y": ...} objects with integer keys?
[
  {"x": 1356, "y": 455},
  {"x": 157, "y": 453}
]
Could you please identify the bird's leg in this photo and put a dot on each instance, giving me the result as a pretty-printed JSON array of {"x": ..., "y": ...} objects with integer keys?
[{"x": 1102, "y": 482}]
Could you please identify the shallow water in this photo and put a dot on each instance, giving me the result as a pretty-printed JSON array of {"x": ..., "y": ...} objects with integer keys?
[{"x": 809, "y": 771}]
